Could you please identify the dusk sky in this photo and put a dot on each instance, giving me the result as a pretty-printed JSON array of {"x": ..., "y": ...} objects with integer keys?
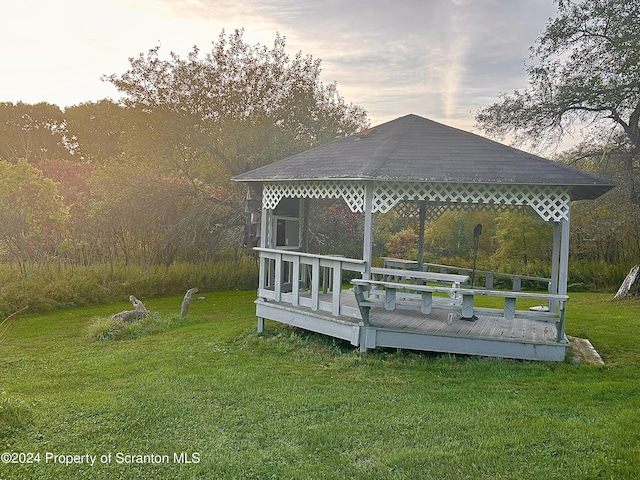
[{"x": 441, "y": 59}]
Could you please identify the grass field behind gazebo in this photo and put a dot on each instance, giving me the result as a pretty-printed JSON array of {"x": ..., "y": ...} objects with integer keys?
[{"x": 289, "y": 404}]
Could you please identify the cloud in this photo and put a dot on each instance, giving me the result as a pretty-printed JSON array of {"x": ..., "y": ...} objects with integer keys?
[{"x": 442, "y": 59}]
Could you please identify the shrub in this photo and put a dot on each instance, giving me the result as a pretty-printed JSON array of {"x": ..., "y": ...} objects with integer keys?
[
  {"x": 105, "y": 329},
  {"x": 14, "y": 415},
  {"x": 109, "y": 329}
]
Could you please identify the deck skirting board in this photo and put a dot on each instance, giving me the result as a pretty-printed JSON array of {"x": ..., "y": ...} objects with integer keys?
[
  {"x": 466, "y": 345},
  {"x": 318, "y": 323}
]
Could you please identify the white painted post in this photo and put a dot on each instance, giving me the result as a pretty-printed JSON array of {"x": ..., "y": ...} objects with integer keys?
[
  {"x": 315, "y": 284},
  {"x": 278, "y": 279},
  {"x": 264, "y": 262},
  {"x": 555, "y": 264},
  {"x": 367, "y": 250},
  {"x": 389, "y": 298},
  {"x": 509, "y": 308},
  {"x": 423, "y": 215},
  {"x": 564, "y": 274},
  {"x": 337, "y": 287},
  {"x": 467, "y": 306},
  {"x": 489, "y": 281},
  {"x": 426, "y": 302},
  {"x": 517, "y": 284},
  {"x": 295, "y": 281},
  {"x": 564, "y": 258}
]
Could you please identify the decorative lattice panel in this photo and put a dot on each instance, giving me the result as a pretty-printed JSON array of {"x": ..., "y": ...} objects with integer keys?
[
  {"x": 550, "y": 202},
  {"x": 351, "y": 192},
  {"x": 409, "y": 208}
]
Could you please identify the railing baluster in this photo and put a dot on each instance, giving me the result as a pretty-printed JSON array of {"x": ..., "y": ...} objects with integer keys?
[
  {"x": 315, "y": 284},
  {"x": 278, "y": 279},
  {"x": 337, "y": 287},
  {"x": 295, "y": 280}
]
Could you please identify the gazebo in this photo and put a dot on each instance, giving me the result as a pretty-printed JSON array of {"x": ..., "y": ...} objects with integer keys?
[{"x": 421, "y": 166}]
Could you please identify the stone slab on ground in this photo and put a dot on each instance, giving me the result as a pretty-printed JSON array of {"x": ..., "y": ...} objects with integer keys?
[{"x": 581, "y": 351}]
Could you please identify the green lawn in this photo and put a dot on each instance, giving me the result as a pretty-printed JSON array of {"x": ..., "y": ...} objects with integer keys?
[{"x": 287, "y": 404}]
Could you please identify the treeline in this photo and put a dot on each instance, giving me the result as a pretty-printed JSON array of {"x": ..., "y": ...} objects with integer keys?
[{"x": 146, "y": 180}]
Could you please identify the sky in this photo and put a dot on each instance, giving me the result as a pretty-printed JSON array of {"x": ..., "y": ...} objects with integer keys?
[{"x": 440, "y": 59}]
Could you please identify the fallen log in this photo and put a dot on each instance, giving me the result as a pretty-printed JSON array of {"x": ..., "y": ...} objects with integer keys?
[{"x": 131, "y": 315}]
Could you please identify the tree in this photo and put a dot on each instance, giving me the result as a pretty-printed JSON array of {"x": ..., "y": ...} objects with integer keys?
[
  {"x": 243, "y": 106},
  {"x": 72, "y": 178},
  {"x": 204, "y": 119},
  {"x": 586, "y": 71},
  {"x": 95, "y": 130},
  {"x": 32, "y": 214},
  {"x": 33, "y": 132}
]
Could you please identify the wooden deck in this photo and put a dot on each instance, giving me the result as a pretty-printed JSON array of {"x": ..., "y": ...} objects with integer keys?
[{"x": 493, "y": 336}]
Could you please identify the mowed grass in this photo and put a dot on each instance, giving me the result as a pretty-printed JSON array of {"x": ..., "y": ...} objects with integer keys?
[{"x": 288, "y": 404}]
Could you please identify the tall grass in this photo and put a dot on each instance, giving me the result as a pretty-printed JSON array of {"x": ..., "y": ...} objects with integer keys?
[{"x": 59, "y": 286}]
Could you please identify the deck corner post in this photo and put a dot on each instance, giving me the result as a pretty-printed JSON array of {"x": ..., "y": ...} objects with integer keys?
[
  {"x": 362, "y": 338},
  {"x": 560, "y": 323},
  {"x": 260, "y": 325}
]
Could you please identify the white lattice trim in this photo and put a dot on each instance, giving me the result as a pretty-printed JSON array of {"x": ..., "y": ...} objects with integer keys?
[
  {"x": 550, "y": 202},
  {"x": 436, "y": 210},
  {"x": 351, "y": 192}
]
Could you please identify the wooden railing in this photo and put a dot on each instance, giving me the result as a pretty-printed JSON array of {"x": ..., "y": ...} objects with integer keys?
[
  {"x": 315, "y": 281},
  {"x": 305, "y": 279}
]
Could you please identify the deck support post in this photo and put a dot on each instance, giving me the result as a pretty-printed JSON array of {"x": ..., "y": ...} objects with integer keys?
[{"x": 560, "y": 323}]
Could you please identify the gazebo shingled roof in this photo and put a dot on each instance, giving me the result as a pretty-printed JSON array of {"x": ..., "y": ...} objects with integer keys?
[{"x": 415, "y": 149}]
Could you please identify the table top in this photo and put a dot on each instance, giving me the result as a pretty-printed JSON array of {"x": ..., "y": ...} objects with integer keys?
[{"x": 433, "y": 276}]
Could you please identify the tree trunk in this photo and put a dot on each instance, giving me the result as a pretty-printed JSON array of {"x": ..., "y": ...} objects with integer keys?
[
  {"x": 187, "y": 300},
  {"x": 628, "y": 282}
]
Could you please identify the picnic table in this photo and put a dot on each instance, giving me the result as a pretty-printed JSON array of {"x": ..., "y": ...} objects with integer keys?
[{"x": 408, "y": 276}]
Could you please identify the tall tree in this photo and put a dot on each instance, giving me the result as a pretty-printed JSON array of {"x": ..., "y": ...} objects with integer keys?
[
  {"x": 95, "y": 130},
  {"x": 240, "y": 105},
  {"x": 206, "y": 118},
  {"x": 585, "y": 71},
  {"x": 32, "y": 214},
  {"x": 33, "y": 132}
]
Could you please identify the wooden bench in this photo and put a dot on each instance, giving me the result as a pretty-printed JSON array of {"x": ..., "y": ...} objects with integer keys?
[{"x": 425, "y": 295}]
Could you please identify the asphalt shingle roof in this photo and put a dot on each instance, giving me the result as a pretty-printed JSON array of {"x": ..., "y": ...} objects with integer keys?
[{"x": 413, "y": 148}]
